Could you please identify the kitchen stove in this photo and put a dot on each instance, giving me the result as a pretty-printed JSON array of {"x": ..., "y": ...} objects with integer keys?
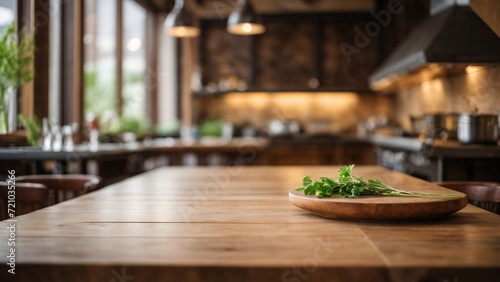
[{"x": 439, "y": 160}]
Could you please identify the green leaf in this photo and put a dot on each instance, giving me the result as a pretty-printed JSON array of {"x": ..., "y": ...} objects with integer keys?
[
  {"x": 32, "y": 126},
  {"x": 349, "y": 186},
  {"x": 16, "y": 57},
  {"x": 307, "y": 181}
]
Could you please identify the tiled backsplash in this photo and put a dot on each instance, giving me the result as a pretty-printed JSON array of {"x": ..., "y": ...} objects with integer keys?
[
  {"x": 478, "y": 88},
  {"x": 342, "y": 110}
]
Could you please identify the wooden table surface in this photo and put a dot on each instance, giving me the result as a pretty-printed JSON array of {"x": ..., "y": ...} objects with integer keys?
[
  {"x": 159, "y": 146},
  {"x": 236, "y": 224}
]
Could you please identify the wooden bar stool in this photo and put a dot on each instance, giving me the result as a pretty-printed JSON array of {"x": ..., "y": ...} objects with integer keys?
[
  {"x": 485, "y": 195},
  {"x": 66, "y": 186},
  {"x": 28, "y": 197}
]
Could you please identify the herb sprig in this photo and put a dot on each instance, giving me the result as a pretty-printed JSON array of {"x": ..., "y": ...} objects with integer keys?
[{"x": 349, "y": 186}]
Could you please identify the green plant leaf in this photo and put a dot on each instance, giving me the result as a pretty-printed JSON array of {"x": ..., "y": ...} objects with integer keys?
[{"x": 16, "y": 57}]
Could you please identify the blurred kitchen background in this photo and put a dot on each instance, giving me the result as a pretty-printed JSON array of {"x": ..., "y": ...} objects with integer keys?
[{"x": 327, "y": 82}]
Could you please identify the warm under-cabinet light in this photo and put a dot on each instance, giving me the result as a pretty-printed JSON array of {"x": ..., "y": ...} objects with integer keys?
[{"x": 472, "y": 69}]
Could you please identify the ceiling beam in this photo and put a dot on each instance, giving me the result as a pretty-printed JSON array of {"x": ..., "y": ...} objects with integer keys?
[
  {"x": 157, "y": 5},
  {"x": 222, "y": 8}
]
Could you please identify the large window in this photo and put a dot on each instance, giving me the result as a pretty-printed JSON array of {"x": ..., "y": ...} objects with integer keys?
[
  {"x": 134, "y": 60},
  {"x": 7, "y": 14},
  {"x": 7, "y": 17},
  {"x": 99, "y": 41},
  {"x": 114, "y": 59}
]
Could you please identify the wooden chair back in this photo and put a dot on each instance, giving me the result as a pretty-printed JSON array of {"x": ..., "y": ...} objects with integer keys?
[
  {"x": 66, "y": 186},
  {"x": 28, "y": 197},
  {"x": 485, "y": 195}
]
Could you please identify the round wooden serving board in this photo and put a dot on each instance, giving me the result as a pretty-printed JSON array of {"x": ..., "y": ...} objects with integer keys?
[{"x": 378, "y": 207}]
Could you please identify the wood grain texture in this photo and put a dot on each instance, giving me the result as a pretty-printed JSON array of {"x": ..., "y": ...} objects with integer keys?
[
  {"x": 236, "y": 224},
  {"x": 379, "y": 207}
]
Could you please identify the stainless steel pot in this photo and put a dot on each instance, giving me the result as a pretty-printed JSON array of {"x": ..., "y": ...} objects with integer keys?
[
  {"x": 451, "y": 125},
  {"x": 434, "y": 122},
  {"x": 477, "y": 129},
  {"x": 417, "y": 125},
  {"x": 435, "y": 126}
]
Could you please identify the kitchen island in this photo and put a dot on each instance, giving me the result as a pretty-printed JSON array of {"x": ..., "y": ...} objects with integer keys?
[{"x": 236, "y": 224}]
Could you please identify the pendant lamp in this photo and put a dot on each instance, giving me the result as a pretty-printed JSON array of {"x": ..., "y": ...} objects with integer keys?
[
  {"x": 179, "y": 23},
  {"x": 244, "y": 21}
]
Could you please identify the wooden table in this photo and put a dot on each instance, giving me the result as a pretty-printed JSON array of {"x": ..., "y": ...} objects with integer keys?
[
  {"x": 236, "y": 224},
  {"x": 114, "y": 162}
]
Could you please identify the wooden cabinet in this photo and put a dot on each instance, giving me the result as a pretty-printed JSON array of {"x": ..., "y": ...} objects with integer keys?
[
  {"x": 340, "y": 67},
  {"x": 223, "y": 55},
  {"x": 359, "y": 154},
  {"x": 300, "y": 155},
  {"x": 296, "y": 52},
  {"x": 285, "y": 55},
  {"x": 319, "y": 154}
]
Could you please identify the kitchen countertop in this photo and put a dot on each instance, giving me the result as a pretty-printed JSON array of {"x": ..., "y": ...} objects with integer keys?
[
  {"x": 440, "y": 148},
  {"x": 171, "y": 145},
  {"x": 451, "y": 149},
  {"x": 168, "y": 145},
  {"x": 304, "y": 139},
  {"x": 236, "y": 224}
]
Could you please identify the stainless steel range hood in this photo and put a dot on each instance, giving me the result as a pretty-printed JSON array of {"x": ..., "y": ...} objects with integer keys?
[{"x": 450, "y": 39}]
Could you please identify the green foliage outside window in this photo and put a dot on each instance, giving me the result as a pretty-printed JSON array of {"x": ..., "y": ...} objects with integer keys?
[{"x": 16, "y": 57}]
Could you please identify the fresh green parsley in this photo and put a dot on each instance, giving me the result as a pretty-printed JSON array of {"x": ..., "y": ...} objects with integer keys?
[{"x": 349, "y": 186}]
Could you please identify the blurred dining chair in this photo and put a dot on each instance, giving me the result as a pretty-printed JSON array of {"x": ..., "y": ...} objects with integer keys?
[
  {"x": 485, "y": 195},
  {"x": 27, "y": 197},
  {"x": 66, "y": 186}
]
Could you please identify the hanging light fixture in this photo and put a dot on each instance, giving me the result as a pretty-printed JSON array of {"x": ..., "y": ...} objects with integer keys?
[
  {"x": 244, "y": 21},
  {"x": 179, "y": 22}
]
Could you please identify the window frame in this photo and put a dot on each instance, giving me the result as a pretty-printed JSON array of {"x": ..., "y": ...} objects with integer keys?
[
  {"x": 150, "y": 78},
  {"x": 35, "y": 14}
]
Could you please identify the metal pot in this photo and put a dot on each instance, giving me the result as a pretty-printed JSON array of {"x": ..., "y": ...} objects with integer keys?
[
  {"x": 451, "y": 125},
  {"x": 434, "y": 124},
  {"x": 278, "y": 127},
  {"x": 417, "y": 125},
  {"x": 477, "y": 129}
]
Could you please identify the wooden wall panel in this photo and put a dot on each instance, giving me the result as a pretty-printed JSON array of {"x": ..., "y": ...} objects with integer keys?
[
  {"x": 25, "y": 13},
  {"x": 489, "y": 11},
  {"x": 223, "y": 55},
  {"x": 341, "y": 68},
  {"x": 401, "y": 24},
  {"x": 152, "y": 57},
  {"x": 67, "y": 62},
  {"x": 292, "y": 52},
  {"x": 72, "y": 64},
  {"x": 285, "y": 54},
  {"x": 42, "y": 43}
]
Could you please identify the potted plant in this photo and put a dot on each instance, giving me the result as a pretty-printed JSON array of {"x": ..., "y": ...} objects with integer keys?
[{"x": 16, "y": 57}]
